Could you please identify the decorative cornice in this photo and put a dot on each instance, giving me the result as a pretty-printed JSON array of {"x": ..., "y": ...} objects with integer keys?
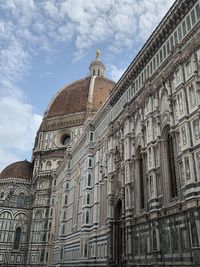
[{"x": 161, "y": 33}]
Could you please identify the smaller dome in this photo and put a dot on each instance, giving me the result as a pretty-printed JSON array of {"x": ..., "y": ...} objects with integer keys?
[{"x": 19, "y": 169}]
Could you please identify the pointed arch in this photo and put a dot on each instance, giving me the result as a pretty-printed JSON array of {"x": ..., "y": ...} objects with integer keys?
[
  {"x": 168, "y": 161},
  {"x": 17, "y": 238}
]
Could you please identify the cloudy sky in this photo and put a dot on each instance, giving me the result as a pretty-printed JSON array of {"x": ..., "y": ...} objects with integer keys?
[{"x": 46, "y": 44}]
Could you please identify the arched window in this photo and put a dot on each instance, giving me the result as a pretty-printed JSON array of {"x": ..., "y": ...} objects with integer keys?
[
  {"x": 87, "y": 217},
  {"x": 67, "y": 185},
  {"x": 48, "y": 165},
  {"x": 171, "y": 166},
  {"x": 98, "y": 72},
  {"x": 168, "y": 161},
  {"x": 88, "y": 198},
  {"x": 44, "y": 237},
  {"x": 89, "y": 179},
  {"x": 59, "y": 163},
  {"x": 51, "y": 212},
  {"x": 141, "y": 169},
  {"x": 85, "y": 250},
  {"x": 66, "y": 200},
  {"x": 63, "y": 229},
  {"x": 47, "y": 254},
  {"x": 64, "y": 215},
  {"x": 17, "y": 237},
  {"x": 21, "y": 200},
  {"x": 90, "y": 162}
]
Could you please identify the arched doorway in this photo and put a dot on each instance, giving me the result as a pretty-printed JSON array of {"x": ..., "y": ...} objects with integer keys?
[{"x": 118, "y": 234}]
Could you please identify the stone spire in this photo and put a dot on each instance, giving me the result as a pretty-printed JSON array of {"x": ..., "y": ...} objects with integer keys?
[{"x": 96, "y": 67}]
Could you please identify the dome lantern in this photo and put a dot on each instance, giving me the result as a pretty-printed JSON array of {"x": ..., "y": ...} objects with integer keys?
[{"x": 96, "y": 67}]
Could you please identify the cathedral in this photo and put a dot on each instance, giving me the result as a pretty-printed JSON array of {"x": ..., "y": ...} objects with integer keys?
[{"x": 114, "y": 179}]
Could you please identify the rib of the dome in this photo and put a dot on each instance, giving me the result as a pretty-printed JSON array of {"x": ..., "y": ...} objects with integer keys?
[{"x": 102, "y": 88}]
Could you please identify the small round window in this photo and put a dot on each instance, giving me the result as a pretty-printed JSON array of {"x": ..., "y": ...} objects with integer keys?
[{"x": 65, "y": 139}]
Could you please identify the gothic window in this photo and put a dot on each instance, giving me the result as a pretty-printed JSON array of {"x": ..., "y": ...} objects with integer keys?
[
  {"x": 51, "y": 212},
  {"x": 88, "y": 198},
  {"x": 180, "y": 36},
  {"x": 67, "y": 185},
  {"x": 38, "y": 215},
  {"x": 187, "y": 168},
  {"x": 193, "y": 17},
  {"x": 159, "y": 184},
  {"x": 154, "y": 240},
  {"x": 85, "y": 250},
  {"x": 64, "y": 215},
  {"x": 66, "y": 200},
  {"x": 184, "y": 135},
  {"x": 89, "y": 179},
  {"x": 180, "y": 103},
  {"x": 175, "y": 38},
  {"x": 1, "y": 194},
  {"x": 181, "y": 173},
  {"x": 198, "y": 11},
  {"x": 54, "y": 182},
  {"x": 178, "y": 141},
  {"x": 90, "y": 162},
  {"x": 171, "y": 166},
  {"x": 192, "y": 96},
  {"x": 188, "y": 22},
  {"x": 17, "y": 239},
  {"x": 198, "y": 162},
  {"x": 47, "y": 254},
  {"x": 44, "y": 237},
  {"x": 63, "y": 229},
  {"x": 196, "y": 128},
  {"x": 141, "y": 169},
  {"x": 48, "y": 165},
  {"x": 184, "y": 28},
  {"x": 59, "y": 163},
  {"x": 91, "y": 136},
  {"x": 194, "y": 233},
  {"x": 171, "y": 42},
  {"x": 188, "y": 67},
  {"x": 174, "y": 238},
  {"x": 175, "y": 108},
  {"x": 42, "y": 256},
  {"x": 87, "y": 217},
  {"x": 151, "y": 189},
  {"x": 20, "y": 200},
  {"x": 98, "y": 72}
]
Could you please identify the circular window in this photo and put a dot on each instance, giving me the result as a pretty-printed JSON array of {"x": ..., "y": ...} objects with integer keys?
[{"x": 65, "y": 139}]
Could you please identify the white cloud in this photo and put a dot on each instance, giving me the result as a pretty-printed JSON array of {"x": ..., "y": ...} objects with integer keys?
[
  {"x": 29, "y": 27},
  {"x": 115, "y": 72}
]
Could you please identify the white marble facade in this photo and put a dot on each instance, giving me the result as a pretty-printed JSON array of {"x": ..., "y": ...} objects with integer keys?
[{"x": 124, "y": 189}]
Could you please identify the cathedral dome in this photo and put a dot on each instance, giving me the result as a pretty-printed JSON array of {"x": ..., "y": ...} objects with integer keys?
[
  {"x": 20, "y": 169},
  {"x": 75, "y": 97}
]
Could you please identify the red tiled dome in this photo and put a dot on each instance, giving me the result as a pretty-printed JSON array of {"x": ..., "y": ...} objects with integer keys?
[
  {"x": 20, "y": 169},
  {"x": 73, "y": 98}
]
